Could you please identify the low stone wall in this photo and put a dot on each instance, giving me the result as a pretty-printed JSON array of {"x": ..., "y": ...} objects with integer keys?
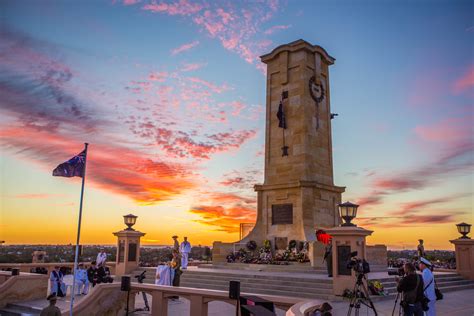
[
  {"x": 23, "y": 287},
  {"x": 220, "y": 251},
  {"x": 26, "y": 267},
  {"x": 104, "y": 300},
  {"x": 107, "y": 299},
  {"x": 377, "y": 257}
]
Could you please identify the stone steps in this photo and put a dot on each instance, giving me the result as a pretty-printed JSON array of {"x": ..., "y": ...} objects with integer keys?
[
  {"x": 19, "y": 310},
  {"x": 254, "y": 282}
]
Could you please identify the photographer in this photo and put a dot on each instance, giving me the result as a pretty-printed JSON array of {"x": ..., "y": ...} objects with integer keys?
[{"x": 411, "y": 285}]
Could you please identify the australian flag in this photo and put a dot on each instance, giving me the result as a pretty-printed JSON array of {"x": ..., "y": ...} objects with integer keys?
[
  {"x": 281, "y": 116},
  {"x": 74, "y": 167}
]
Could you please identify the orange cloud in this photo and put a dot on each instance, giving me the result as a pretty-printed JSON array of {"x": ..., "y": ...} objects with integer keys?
[
  {"x": 224, "y": 219},
  {"x": 113, "y": 168}
]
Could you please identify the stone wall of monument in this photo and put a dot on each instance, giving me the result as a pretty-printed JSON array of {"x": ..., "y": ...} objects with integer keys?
[{"x": 377, "y": 257}]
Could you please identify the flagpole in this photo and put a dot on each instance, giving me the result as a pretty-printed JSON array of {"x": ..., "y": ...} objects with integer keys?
[{"x": 76, "y": 256}]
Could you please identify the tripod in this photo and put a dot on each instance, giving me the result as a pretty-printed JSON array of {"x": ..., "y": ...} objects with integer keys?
[
  {"x": 399, "y": 306},
  {"x": 361, "y": 296}
]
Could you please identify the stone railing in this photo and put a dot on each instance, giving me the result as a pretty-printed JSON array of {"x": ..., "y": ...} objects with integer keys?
[
  {"x": 22, "y": 287},
  {"x": 305, "y": 308},
  {"x": 107, "y": 299},
  {"x": 27, "y": 267}
]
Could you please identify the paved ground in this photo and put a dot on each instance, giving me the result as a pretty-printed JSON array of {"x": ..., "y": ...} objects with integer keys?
[
  {"x": 454, "y": 303},
  {"x": 460, "y": 303}
]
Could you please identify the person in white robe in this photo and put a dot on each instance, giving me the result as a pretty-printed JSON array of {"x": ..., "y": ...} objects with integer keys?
[
  {"x": 163, "y": 274},
  {"x": 185, "y": 249},
  {"x": 57, "y": 284},
  {"x": 101, "y": 258}
]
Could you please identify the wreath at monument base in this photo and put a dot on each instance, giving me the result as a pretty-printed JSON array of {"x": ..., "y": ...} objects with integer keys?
[{"x": 297, "y": 251}]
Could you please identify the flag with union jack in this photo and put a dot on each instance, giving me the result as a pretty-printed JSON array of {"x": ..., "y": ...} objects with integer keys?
[{"x": 74, "y": 167}]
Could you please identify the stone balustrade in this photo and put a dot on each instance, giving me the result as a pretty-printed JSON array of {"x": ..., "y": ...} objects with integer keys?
[
  {"x": 304, "y": 308},
  {"x": 22, "y": 287},
  {"x": 27, "y": 267},
  {"x": 107, "y": 299}
]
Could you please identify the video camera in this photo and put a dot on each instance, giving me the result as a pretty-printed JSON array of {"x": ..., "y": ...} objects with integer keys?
[
  {"x": 360, "y": 266},
  {"x": 399, "y": 272},
  {"x": 141, "y": 277}
]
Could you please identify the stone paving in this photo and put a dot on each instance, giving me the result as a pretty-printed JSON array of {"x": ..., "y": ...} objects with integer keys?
[{"x": 459, "y": 303}]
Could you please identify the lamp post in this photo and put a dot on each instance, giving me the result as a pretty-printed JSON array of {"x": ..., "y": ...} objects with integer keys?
[
  {"x": 464, "y": 229},
  {"x": 348, "y": 211},
  {"x": 130, "y": 220}
]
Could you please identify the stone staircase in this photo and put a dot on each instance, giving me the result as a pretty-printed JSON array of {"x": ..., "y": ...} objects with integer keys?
[
  {"x": 269, "y": 283},
  {"x": 304, "y": 283},
  {"x": 19, "y": 310}
]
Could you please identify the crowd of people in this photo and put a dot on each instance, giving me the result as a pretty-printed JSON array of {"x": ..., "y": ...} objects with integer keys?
[{"x": 96, "y": 273}]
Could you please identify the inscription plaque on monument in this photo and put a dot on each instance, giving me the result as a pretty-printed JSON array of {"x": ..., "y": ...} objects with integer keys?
[
  {"x": 132, "y": 252},
  {"x": 121, "y": 251},
  {"x": 343, "y": 257},
  {"x": 282, "y": 214}
]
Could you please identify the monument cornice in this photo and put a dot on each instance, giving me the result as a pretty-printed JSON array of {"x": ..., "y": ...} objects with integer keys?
[
  {"x": 296, "y": 46},
  {"x": 299, "y": 184},
  {"x": 129, "y": 233}
]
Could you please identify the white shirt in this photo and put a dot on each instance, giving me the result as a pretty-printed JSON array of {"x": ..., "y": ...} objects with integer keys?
[
  {"x": 101, "y": 258},
  {"x": 428, "y": 278},
  {"x": 185, "y": 247}
]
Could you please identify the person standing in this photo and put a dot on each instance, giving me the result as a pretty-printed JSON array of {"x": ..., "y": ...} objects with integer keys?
[
  {"x": 58, "y": 288},
  {"x": 82, "y": 280},
  {"x": 52, "y": 309},
  {"x": 420, "y": 249},
  {"x": 328, "y": 258},
  {"x": 411, "y": 285},
  {"x": 175, "y": 243},
  {"x": 101, "y": 258},
  {"x": 184, "y": 250},
  {"x": 429, "y": 288}
]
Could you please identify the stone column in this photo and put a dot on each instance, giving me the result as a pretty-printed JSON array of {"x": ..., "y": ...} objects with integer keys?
[
  {"x": 346, "y": 239},
  {"x": 464, "y": 248},
  {"x": 128, "y": 251}
]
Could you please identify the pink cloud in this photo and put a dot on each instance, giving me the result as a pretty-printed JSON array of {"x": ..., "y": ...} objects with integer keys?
[
  {"x": 184, "y": 47},
  {"x": 131, "y": 2},
  {"x": 192, "y": 67},
  {"x": 451, "y": 130},
  {"x": 464, "y": 83},
  {"x": 275, "y": 28},
  {"x": 210, "y": 85},
  {"x": 158, "y": 76},
  {"x": 237, "y": 29},
  {"x": 181, "y": 7}
]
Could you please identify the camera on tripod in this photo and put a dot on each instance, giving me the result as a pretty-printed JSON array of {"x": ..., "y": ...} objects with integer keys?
[
  {"x": 141, "y": 277},
  {"x": 399, "y": 272},
  {"x": 360, "y": 266}
]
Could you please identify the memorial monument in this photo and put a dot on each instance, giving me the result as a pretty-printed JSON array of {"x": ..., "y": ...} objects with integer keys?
[{"x": 298, "y": 195}]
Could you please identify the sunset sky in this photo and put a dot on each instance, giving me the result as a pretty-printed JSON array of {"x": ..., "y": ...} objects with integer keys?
[{"x": 171, "y": 97}]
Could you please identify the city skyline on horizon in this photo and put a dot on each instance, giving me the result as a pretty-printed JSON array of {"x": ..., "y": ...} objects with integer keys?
[{"x": 171, "y": 97}]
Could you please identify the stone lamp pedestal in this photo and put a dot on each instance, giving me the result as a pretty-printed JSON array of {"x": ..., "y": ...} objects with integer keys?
[
  {"x": 344, "y": 241},
  {"x": 464, "y": 248},
  {"x": 128, "y": 251}
]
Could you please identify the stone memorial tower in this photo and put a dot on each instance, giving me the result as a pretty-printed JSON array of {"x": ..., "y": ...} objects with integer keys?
[{"x": 298, "y": 194}]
